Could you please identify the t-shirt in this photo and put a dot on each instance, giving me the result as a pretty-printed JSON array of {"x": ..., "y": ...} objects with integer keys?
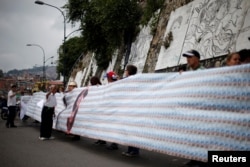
[
  {"x": 11, "y": 100},
  {"x": 51, "y": 101}
]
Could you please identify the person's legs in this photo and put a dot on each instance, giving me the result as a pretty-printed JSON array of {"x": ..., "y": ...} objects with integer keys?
[
  {"x": 134, "y": 150},
  {"x": 43, "y": 123},
  {"x": 113, "y": 146},
  {"x": 11, "y": 116},
  {"x": 50, "y": 121}
]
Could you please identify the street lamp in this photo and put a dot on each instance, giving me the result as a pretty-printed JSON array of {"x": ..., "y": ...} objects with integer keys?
[
  {"x": 73, "y": 32},
  {"x": 44, "y": 76},
  {"x": 48, "y": 59},
  {"x": 64, "y": 37}
]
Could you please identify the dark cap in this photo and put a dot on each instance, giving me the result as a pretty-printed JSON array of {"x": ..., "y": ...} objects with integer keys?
[{"x": 191, "y": 53}]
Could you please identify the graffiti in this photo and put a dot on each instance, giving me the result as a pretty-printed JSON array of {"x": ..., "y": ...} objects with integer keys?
[{"x": 213, "y": 27}]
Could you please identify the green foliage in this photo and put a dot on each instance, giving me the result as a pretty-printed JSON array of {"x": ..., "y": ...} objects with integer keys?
[
  {"x": 151, "y": 7},
  {"x": 105, "y": 24},
  {"x": 73, "y": 49}
]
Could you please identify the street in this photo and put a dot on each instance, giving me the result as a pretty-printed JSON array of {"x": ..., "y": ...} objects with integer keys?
[{"x": 20, "y": 147}]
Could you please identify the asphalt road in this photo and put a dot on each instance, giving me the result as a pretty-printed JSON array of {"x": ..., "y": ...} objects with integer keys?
[{"x": 20, "y": 147}]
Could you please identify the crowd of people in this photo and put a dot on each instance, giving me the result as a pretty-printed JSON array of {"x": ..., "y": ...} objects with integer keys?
[
  {"x": 234, "y": 58},
  {"x": 193, "y": 64}
]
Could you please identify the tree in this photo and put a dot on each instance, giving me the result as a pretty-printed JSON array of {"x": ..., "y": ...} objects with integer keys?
[
  {"x": 73, "y": 49},
  {"x": 105, "y": 24},
  {"x": 1, "y": 73}
]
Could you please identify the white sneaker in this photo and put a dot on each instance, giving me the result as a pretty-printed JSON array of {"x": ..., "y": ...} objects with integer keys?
[
  {"x": 42, "y": 138},
  {"x": 51, "y": 138}
]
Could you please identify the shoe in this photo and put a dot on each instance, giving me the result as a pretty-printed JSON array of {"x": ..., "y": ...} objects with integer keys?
[
  {"x": 43, "y": 138},
  {"x": 76, "y": 138},
  {"x": 51, "y": 138},
  {"x": 112, "y": 147},
  {"x": 13, "y": 126},
  {"x": 100, "y": 142},
  {"x": 124, "y": 153},
  {"x": 130, "y": 154}
]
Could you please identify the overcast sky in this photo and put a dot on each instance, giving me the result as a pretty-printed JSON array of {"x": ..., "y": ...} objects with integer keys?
[{"x": 23, "y": 22}]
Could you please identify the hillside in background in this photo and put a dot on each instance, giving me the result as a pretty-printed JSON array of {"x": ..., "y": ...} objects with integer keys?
[{"x": 50, "y": 72}]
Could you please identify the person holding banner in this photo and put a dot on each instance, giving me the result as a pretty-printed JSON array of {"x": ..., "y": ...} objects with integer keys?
[
  {"x": 132, "y": 151},
  {"x": 72, "y": 85},
  {"x": 11, "y": 107},
  {"x": 193, "y": 60},
  {"x": 48, "y": 112},
  {"x": 233, "y": 59},
  {"x": 112, "y": 77}
]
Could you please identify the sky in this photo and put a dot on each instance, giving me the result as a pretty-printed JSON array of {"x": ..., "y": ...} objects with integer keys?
[{"x": 23, "y": 22}]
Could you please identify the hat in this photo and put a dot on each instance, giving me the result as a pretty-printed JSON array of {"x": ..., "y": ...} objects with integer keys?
[
  {"x": 112, "y": 75},
  {"x": 191, "y": 53},
  {"x": 72, "y": 83}
]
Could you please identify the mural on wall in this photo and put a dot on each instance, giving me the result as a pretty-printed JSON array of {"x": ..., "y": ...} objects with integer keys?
[
  {"x": 213, "y": 27},
  {"x": 139, "y": 49}
]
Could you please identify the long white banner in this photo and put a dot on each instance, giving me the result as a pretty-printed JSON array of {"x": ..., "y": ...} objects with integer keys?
[{"x": 183, "y": 115}]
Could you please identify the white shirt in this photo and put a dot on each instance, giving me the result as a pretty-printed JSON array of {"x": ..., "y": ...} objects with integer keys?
[
  {"x": 51, "y": 101},
  {"x": 11, "y": 100}
]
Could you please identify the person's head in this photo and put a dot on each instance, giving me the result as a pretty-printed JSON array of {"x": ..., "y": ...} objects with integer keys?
[
  {"x": 53, "y": 89},
  {"x": 72, "y": 85},
  {"x": 233, "y": 59},
  {"x": 244, "y": 56},
  {"x": 111, "y": 76},
  {"x": 193, "y": 58},
  {"x": 95, "y": 81},
  {"x": 13, "y": 87},
  {"x": 61, "y": 89},
  {"x": 130, "y": 70}
]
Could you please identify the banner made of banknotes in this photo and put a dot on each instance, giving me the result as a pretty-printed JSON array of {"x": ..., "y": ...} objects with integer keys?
[{"x": 183, "y": 115}]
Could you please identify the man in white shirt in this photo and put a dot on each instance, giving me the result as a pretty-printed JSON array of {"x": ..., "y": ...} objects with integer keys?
[
  {"x": 47, "y": 114},
  {"x": 11, "y": 107}
]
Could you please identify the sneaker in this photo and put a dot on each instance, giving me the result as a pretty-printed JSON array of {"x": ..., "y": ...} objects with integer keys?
[
  {"x": 131, "y": 154},
  {"x": 124, "y": 153},
  {"x": 100, "y": 142},
  {"x": 43, "y": 138},
  {"x": 113, "y": 146},
  {"x": 51, "y": 138}
]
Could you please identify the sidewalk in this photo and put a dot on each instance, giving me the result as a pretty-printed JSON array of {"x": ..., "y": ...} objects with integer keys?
[{"x": 20, "y": 147}]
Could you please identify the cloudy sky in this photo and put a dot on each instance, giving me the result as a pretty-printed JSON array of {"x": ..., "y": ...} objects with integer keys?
[{"x": 23, "y": 22}]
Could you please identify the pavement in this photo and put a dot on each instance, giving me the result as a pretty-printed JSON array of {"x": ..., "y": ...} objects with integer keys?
[{"x": 20, "y": 147}]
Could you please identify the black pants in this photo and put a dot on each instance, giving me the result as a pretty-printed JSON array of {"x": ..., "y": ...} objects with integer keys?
[
  {"x": 135, "y": 150},
  {"x": 46, "y": 122},
  {"x": 11, "y": 115}
]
